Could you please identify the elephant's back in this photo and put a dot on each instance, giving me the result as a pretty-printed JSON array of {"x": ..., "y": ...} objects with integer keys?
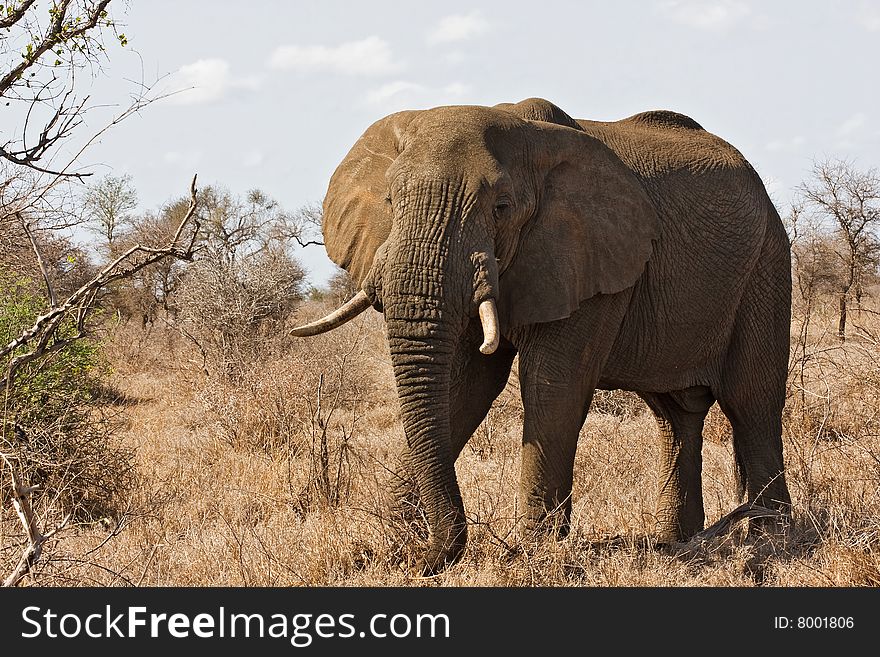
[{"x": 660, "y": 143}]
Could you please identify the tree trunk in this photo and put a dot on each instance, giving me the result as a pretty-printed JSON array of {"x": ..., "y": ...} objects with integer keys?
[{"x": 841, "y": 322}]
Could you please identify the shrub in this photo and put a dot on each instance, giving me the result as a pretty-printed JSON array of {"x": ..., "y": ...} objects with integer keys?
[{"x": 53, "y": 429}]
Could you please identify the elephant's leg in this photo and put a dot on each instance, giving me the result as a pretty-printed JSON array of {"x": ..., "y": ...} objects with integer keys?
[
  {"x": 752, "y": 398},
  {"x": 560, "y": 363},
  {"x": 680, "y": 416},
  {"x": 476, "y": 382},
  {"x": 753, "y": 381},
  {"x": 757, "y": 446},
  {"x": 554, "y": 414}
]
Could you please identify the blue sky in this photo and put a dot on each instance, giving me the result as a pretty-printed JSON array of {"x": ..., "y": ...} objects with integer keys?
[{"x": 277, "y": 92}]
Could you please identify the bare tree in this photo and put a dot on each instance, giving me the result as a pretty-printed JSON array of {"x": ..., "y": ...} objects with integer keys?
[
  {"x": 61, "y": 324},
  {"x": 303, "y": 226},
  {"x": 341, "y": 287},
  {"x": 43, "y": 338},
  {"x": 848, "y": 201},
  {"x": 244, "y": 282},
  {"x": 108, "y": 204},
  {"x": 42, "y": 46}
]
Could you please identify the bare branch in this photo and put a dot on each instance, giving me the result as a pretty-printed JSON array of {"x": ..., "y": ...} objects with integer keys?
[
  {"x": 57, "y": 33},
  {"x": 50, "y": 290},
  {"x": 35, "y": 537}
]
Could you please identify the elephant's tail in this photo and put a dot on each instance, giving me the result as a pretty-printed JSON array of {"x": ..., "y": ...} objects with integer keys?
[{"x": 740, "y": 476}]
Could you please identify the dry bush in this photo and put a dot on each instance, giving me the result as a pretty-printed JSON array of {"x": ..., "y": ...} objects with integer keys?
[
  {"x": 55, "y": 428},
  {"x": 303, "y": 405},
  {"x": 233, "y": 309},
  {"x": 621, "y": 403},
  {"x": 832, "y": 441},
  {"x": 276, "y": 397},
  {"x": 57, "y": 437}
]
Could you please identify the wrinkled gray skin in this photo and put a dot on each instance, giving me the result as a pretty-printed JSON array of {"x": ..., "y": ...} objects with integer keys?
[{"x": 641, "y": 254}]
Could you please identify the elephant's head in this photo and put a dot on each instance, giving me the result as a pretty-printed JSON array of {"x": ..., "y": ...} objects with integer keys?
[{"x": 451, "y": 213}]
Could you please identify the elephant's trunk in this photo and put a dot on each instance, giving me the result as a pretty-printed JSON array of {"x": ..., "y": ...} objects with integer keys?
[
  {"x": 420, "y": 354},
  {"x": 424, "y": 321}
]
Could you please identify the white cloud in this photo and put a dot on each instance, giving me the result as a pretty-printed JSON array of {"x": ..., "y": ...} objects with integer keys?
[
  {"x": 786, "y": 145},
  {"x": 852, "y": 125},
  {"x": 370, "y": 56},
  {"x": 252, "y": 159},
  {"x": 187, "y": 160},
  {"x": 458, "y": 27},
  {"x": 870, "y": 17},
  {"x": 454, "y": 58},
  {"x": 381, "y": 94},
  {"x": 455, "y": 89},
  {"x": 206, "y": 81},
  {"x": 402, "y": 94},
  {"x": 716, "y": 15}
]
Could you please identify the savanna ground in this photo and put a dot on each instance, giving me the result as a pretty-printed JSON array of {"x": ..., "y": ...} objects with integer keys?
[{"x": 276, "y": 476}]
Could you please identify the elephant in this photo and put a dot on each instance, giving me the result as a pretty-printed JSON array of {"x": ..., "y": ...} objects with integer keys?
[{"x": 642, "y": 254}]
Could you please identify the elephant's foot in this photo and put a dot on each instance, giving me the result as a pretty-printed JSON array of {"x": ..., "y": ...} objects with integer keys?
[
  {"x": 443, "y": 550},
  {"x": 775, "y": 523},
  {"x": 679, "y": 517},
  {"x": 547, "y": 520},
  {"x": 677, "y": 526}
]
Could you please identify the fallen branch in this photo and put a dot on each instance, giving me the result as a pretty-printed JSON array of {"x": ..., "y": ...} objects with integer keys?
[
  {"x": 35, "y": 537},
  {"x": 724, "y": 524}
]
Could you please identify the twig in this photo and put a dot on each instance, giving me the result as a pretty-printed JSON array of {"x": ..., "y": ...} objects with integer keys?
[
  {"x": 149, "y": 561},
  {"x": 50, "y": 290}
]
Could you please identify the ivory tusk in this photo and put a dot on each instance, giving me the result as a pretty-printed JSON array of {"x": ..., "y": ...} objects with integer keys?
[
  {"x": 346, "y": 312},
  {"x": 489, "y": 320}
]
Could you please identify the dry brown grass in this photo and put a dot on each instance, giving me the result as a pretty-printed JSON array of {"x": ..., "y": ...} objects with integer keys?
[{"x": 248, "y": 484}]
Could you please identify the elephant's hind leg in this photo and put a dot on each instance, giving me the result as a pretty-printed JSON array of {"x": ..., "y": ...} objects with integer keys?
[
  {"x": 753, "y": 384},
  {"x": 680, "y": 416}
]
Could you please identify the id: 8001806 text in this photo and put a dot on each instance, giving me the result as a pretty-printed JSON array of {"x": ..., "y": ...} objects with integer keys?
[{"x": 813, "y": 623}]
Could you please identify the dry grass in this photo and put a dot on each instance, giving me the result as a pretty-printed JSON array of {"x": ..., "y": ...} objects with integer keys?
[{"x": 252, "y": 484}]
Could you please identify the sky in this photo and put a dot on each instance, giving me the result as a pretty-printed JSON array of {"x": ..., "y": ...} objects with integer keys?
[{"x": 273, "y": 94}]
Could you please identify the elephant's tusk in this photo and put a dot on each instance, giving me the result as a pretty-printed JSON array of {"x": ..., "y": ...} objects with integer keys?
[
  {"x": 489, "y": 320},
  {"x": 346, "y": 312}
]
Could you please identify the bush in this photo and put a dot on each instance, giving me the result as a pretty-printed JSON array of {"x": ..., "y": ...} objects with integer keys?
[{"x": 53, "y": 429}]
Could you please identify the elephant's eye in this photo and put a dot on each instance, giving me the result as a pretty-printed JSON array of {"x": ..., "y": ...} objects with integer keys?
[{"x": 501, "y": 210}]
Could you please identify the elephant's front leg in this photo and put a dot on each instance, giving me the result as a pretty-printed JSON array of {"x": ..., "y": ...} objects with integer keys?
[
  {"x": 554, "y": 414},
  {"x": 560, "y": 364},
  {"x": 476, "y": 381}
]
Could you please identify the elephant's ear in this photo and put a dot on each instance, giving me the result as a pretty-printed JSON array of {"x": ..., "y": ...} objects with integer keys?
[
  {"x": 357, "y": 215},
  {"x": 592, "y": 232}
]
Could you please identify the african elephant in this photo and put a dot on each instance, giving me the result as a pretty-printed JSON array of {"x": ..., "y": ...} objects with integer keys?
[{"x": 642, "y": 254}]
